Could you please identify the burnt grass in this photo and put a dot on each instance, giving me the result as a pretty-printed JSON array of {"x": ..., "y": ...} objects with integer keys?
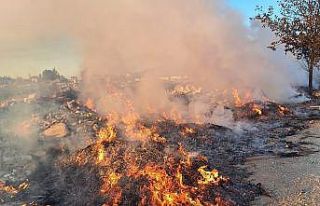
[
  {"x": 54, "y": 183},
  {"x": 62, "y": 185},
  {"x": 70, "y": 184}
]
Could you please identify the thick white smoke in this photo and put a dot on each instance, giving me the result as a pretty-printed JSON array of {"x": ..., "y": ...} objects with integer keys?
[{"x": 202, "y": 39}]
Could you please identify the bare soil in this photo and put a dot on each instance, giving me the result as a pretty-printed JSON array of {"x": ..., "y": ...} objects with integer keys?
[{"x": 292, "y": 180}]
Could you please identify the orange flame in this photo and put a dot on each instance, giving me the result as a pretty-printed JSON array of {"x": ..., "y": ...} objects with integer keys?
[
  {"x": 164, "y": 178},
  {"x": 186, "y": 131},
  {"x": 209, "y": 177},
  {"x": 106, "y": 135},
  {"x": 236, "y": 97},
  {"x": 257, "y": 110},
  {"x": 13, "y": 190},
  {"x": 90, "y": 104}
]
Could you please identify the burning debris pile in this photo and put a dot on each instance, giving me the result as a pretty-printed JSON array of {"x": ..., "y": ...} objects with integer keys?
[
  {"x": 11, "y": 191},
  {"x": 132, "y": 131},
  {"x": 261, "y": 110},
  {"x": 119, "y": 170},
  {"x": 86, "y": 158},
  {"x": 151, "y": 173}
]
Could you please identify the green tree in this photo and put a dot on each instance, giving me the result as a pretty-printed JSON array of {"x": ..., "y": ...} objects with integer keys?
[{"x": 297, "y": 27}]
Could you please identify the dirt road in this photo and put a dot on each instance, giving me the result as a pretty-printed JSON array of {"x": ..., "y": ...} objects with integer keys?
[{"x": 293, "y": 180}]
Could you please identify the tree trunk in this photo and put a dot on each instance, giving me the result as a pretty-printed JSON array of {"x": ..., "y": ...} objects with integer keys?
[{"x": 310, "y": 79}]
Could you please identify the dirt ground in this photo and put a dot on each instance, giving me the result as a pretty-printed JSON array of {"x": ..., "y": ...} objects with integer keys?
[{"x": 292, "y": 180}]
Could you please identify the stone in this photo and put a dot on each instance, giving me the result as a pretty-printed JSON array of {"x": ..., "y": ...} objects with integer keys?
[{"x": 57, "y": 130}]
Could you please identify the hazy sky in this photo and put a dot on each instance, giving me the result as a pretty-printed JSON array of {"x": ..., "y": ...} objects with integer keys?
[
  {"x": 23, "y": 57},
  {"x": 30, "y": 57}
]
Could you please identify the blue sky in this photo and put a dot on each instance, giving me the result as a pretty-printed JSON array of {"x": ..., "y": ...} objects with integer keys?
[{"x": 247, "y": 7}]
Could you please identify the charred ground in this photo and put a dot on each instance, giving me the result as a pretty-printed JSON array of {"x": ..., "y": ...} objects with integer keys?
[{"x": 64, "y": 170}]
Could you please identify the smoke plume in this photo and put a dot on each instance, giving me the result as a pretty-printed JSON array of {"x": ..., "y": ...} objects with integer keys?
[{"x": 204, "y": 40}]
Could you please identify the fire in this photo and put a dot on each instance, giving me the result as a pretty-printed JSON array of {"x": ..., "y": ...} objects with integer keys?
[
  {"x": 13, "y": 190},
  {"x": 164, "y": 179},
  {"x": 283, "y": 110},
  {"x": 187, "y": 131},
  {"x": 101, "y": 153},
  {"x": 163, "y": 188},
  {"x": 110, "y": 181},
  {"x": 186, "y": 157},
  {"x": 90, "y": 104},
  {"x": 107, "y": 134},
  {"x": 240, "y": 100},
  {"x": 173, "y": 115},
  {"x": 208, "y": 177},
  {"x": 236, "y": 97},
  {"x": 134, "y": 129},
  {"x": 186, "y": 89},
  {"x": 257, "y": 110},
  {"x": 132, "y": 155}
]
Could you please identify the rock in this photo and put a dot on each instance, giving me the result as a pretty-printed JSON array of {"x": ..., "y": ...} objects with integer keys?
[{"x": 57, "y": 130}]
